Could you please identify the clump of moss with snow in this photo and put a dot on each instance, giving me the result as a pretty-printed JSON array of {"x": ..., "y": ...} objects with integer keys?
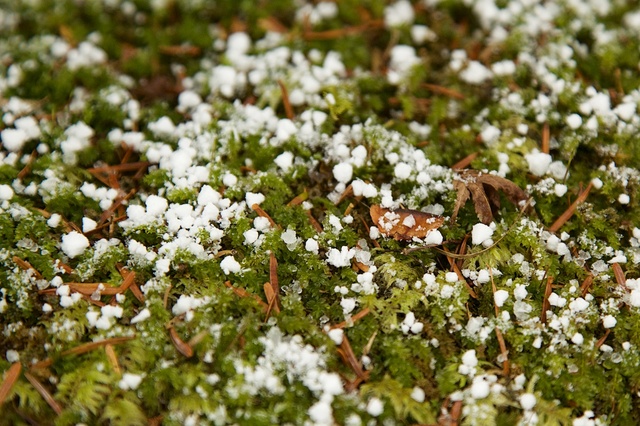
[{"x": 393, "y": 212}]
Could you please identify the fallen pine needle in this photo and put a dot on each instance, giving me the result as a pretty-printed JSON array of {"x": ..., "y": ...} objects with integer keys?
[
  {"x": 545, "y": 302},
  {"x": 87, "y": 347},
  {"x": 586, "y": 285},
  {"x": 256, "y": 208},
  {"x": 619, "y": 274},
  {"x": 10, "y": 377},
  {"x": 363, "y": 313},
  {"x": 180, "y": 344},
  {"x": 564, "y": 217},
  {"x": 44, "y": 393},
  {"x": 288, "y": 109},
  {"x": 244, "y": 293},
  {"x": 503, "y": 350},
  {"x": 113, "y": 358}
]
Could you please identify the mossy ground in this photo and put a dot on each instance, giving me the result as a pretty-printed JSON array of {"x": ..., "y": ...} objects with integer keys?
[{"x": 165, "y": 318}]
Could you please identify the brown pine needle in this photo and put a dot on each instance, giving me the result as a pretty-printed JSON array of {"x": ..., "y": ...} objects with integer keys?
[
  {"x": 601, "y": 340},
  {"x": 27, "y": 167},
  {"x": 348, "y": 192},
  {"x": 506, "y": 367},
  {"x": 461, "y": 277},
  {"x": 586, "y": 285},
  {"x": 465, "y": 162},
  {"x": 181, "y": 345},
  {"x": 493, "y": 290},
  {"x": 117, "y": 203},
  {"x": 619, "y": 274},
  {"x": 363, "y": 313},
  {"x": 316, "y": 225},
  {"x": 87, "y": 347},
  {"x": 44, "y": 393},
  {"x": 273, "y": 284},
  {"x": 244, "y": 293},
  {"x": 545, "y": 302},
  {"x": 113, "y": 358},
  {"x": 288, "y": 109},
  {"x": 441, "y": 90},
  {"x": 11, "y": 376},
  {"x": 26, "y": 266},
  {"x": 271, "y": 300},
  {"x": 180, "y": 50},
  {"x": 350, "y": 359},
  {"x": 564, "y": 217},
  {"x": 341, "y": 32},
  {"x": 299, "y": 199},
  {"x": 271, "y": 24},
  {"x": 546, "y": 136},
  {"x": 128, "y": 167},
  {"x": 256, "y": 208}
]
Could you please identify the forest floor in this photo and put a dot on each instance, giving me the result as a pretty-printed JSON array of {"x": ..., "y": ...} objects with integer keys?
[{"x": 295, "y": 212}]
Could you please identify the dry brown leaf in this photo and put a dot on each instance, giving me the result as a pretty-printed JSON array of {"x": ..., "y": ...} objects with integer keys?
[
  {"x": 483, "y": 189},
  {"x": 404, "y": 224}
]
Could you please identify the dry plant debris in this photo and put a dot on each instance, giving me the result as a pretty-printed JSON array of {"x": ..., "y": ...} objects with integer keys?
[{"x": 484, "y": 191}]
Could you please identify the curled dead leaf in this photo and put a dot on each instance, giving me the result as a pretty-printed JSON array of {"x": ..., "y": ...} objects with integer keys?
[
  {"x": 404, "y": 224},
  {"x": 483, "y": 189}
]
